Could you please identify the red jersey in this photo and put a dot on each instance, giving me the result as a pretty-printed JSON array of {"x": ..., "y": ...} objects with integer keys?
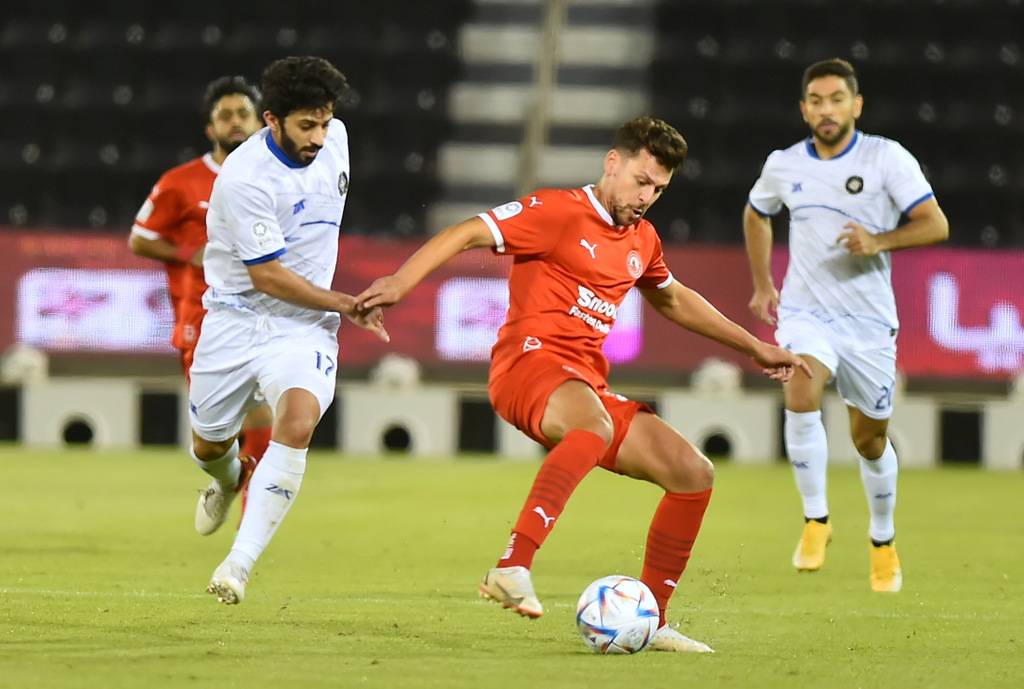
[
  {"x": 572, "y": 270},
  {"x": 175, "y": 210}
]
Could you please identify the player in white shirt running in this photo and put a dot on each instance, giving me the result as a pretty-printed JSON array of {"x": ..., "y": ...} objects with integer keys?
[
  {"x": 845, "y": 191},
  {"x": 272, "y": 320}
]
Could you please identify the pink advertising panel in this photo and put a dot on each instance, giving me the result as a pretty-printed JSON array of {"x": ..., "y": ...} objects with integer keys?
[{"x": 961, "y": 310}]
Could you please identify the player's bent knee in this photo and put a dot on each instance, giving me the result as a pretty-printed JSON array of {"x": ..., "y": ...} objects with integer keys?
[
  {"x": 688, "y": 471},
  {"x": 605, "y": 431},
  {"x": 294, "y": 432},
  {"x": 209, "y": 450},
  {"x": 870, "y": 447},
  {"x": 703, "y": 473}
]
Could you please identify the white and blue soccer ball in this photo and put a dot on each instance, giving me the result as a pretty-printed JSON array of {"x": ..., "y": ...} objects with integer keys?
[{"x": 617, "y": 614}]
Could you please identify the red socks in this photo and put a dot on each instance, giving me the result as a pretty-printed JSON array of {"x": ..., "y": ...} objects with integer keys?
[
  {"x": 669, "y": 542},
  {"x": 255, "y": 442},
  {"x": 673, "y": 530},
  {"x": 562, "y": 470}
]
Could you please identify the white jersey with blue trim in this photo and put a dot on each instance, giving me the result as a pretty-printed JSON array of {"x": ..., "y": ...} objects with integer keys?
[
  {"x": 872, "y": 182},
  {"x": 265, "y": 206}
]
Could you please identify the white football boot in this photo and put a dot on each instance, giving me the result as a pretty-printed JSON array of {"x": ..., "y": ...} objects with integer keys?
[
  {"x": 228, "y": 582},
  {"x": 512, "y": 587},
  {"x": 668, "y": 639}
]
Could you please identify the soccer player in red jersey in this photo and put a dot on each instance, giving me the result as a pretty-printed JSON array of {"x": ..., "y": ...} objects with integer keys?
[
  {"x": 171, "y": 227},
  {"x": 577, "y": 253}
]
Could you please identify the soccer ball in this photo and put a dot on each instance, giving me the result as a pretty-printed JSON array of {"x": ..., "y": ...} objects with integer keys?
[{"x": 617, "y": 614}]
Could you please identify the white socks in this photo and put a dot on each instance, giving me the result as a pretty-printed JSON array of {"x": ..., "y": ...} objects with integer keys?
[
  {"x": 807, "y": 448},
  {"x": 272, "y": 490},
  {"x": 879, "y": 478},
  {"x": 225, "y": 470}
]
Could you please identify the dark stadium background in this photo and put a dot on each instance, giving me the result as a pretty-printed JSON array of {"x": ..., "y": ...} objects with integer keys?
[{"x": 99, "y": 97}]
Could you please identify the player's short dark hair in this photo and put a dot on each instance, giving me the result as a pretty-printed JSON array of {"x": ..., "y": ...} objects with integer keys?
[
  {"x": 835, "y": 67},
  {"x": 228, "y": 86},
  {"x": 301, "y": 83},
  {"x": 659, "y": 138}
]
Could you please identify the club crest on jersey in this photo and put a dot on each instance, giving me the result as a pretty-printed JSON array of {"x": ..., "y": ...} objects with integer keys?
[
  {"x": 509, "y": 210},
  {"x": 855, "y": 185},
  {"x": 342, "y": 183},
  {"x": 634, "y": 265}
]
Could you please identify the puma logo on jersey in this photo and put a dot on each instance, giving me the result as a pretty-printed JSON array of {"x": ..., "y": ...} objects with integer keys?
[
  {"x": 588, "y": 247},
  {"x": 543, "y": 515},
  {"x": 534, "y": 201}
]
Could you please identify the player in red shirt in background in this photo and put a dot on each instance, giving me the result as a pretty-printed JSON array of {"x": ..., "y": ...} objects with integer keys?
[
  {"x": 577, "y": 253},
  {"x": 171, "y": 227}
]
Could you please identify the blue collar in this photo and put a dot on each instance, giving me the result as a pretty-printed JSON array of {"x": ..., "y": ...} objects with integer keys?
[
  {"x": 279, "y": 154},
  {"x": 814, "y": 153}
]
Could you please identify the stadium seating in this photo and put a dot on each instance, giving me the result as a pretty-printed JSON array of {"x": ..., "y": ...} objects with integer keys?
[
  {"x": 98, "y": 99},
  {"x": 77, "y": 78}
]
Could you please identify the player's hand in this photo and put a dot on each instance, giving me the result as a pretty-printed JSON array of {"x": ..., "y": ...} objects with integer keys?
[
  {"x": 765, "y": 304},
  {"x": 372, "y": 320},
  {"x": 858, "y": 241},
  {"x": 780, "y": 364},
  {"x": 383, "y": 291}
]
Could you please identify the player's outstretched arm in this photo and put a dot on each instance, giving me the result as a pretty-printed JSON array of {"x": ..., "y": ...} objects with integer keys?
[
  {"x": 388, "y": 290},
  {"x": 274, "y": 279},
  {"x": 687, "y": 308}
]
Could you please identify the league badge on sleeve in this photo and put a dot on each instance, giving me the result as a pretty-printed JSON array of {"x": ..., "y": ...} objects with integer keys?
[
  {"x": 507, "y": 211},
  {"x": 261, "y": 233},
  {"x": 342, "y": 183}
]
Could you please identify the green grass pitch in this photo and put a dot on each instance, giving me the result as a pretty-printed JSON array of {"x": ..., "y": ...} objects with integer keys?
[{"x": 371, "y": 581}]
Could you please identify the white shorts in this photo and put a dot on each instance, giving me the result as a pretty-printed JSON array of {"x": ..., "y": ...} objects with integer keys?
[
  {"x": 865, "y": 378},
  {"x": 239, "y": 364}
]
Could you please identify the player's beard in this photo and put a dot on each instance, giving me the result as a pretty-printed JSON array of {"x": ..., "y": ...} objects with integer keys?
[
  {"x": 623, "y": 215},
  {"x": 841, "y": 131},
  {"x": 291, "y": 150},
  {"x": 228, "y": 144}
]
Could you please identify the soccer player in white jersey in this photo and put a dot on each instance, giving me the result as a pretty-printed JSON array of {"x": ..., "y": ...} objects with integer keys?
[
  {"x": 272, "y": 320},
  {"x": 846, "y": 192}
]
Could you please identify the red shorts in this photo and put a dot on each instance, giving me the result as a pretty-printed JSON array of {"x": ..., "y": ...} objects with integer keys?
[{"x": 519, "y": 394}]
